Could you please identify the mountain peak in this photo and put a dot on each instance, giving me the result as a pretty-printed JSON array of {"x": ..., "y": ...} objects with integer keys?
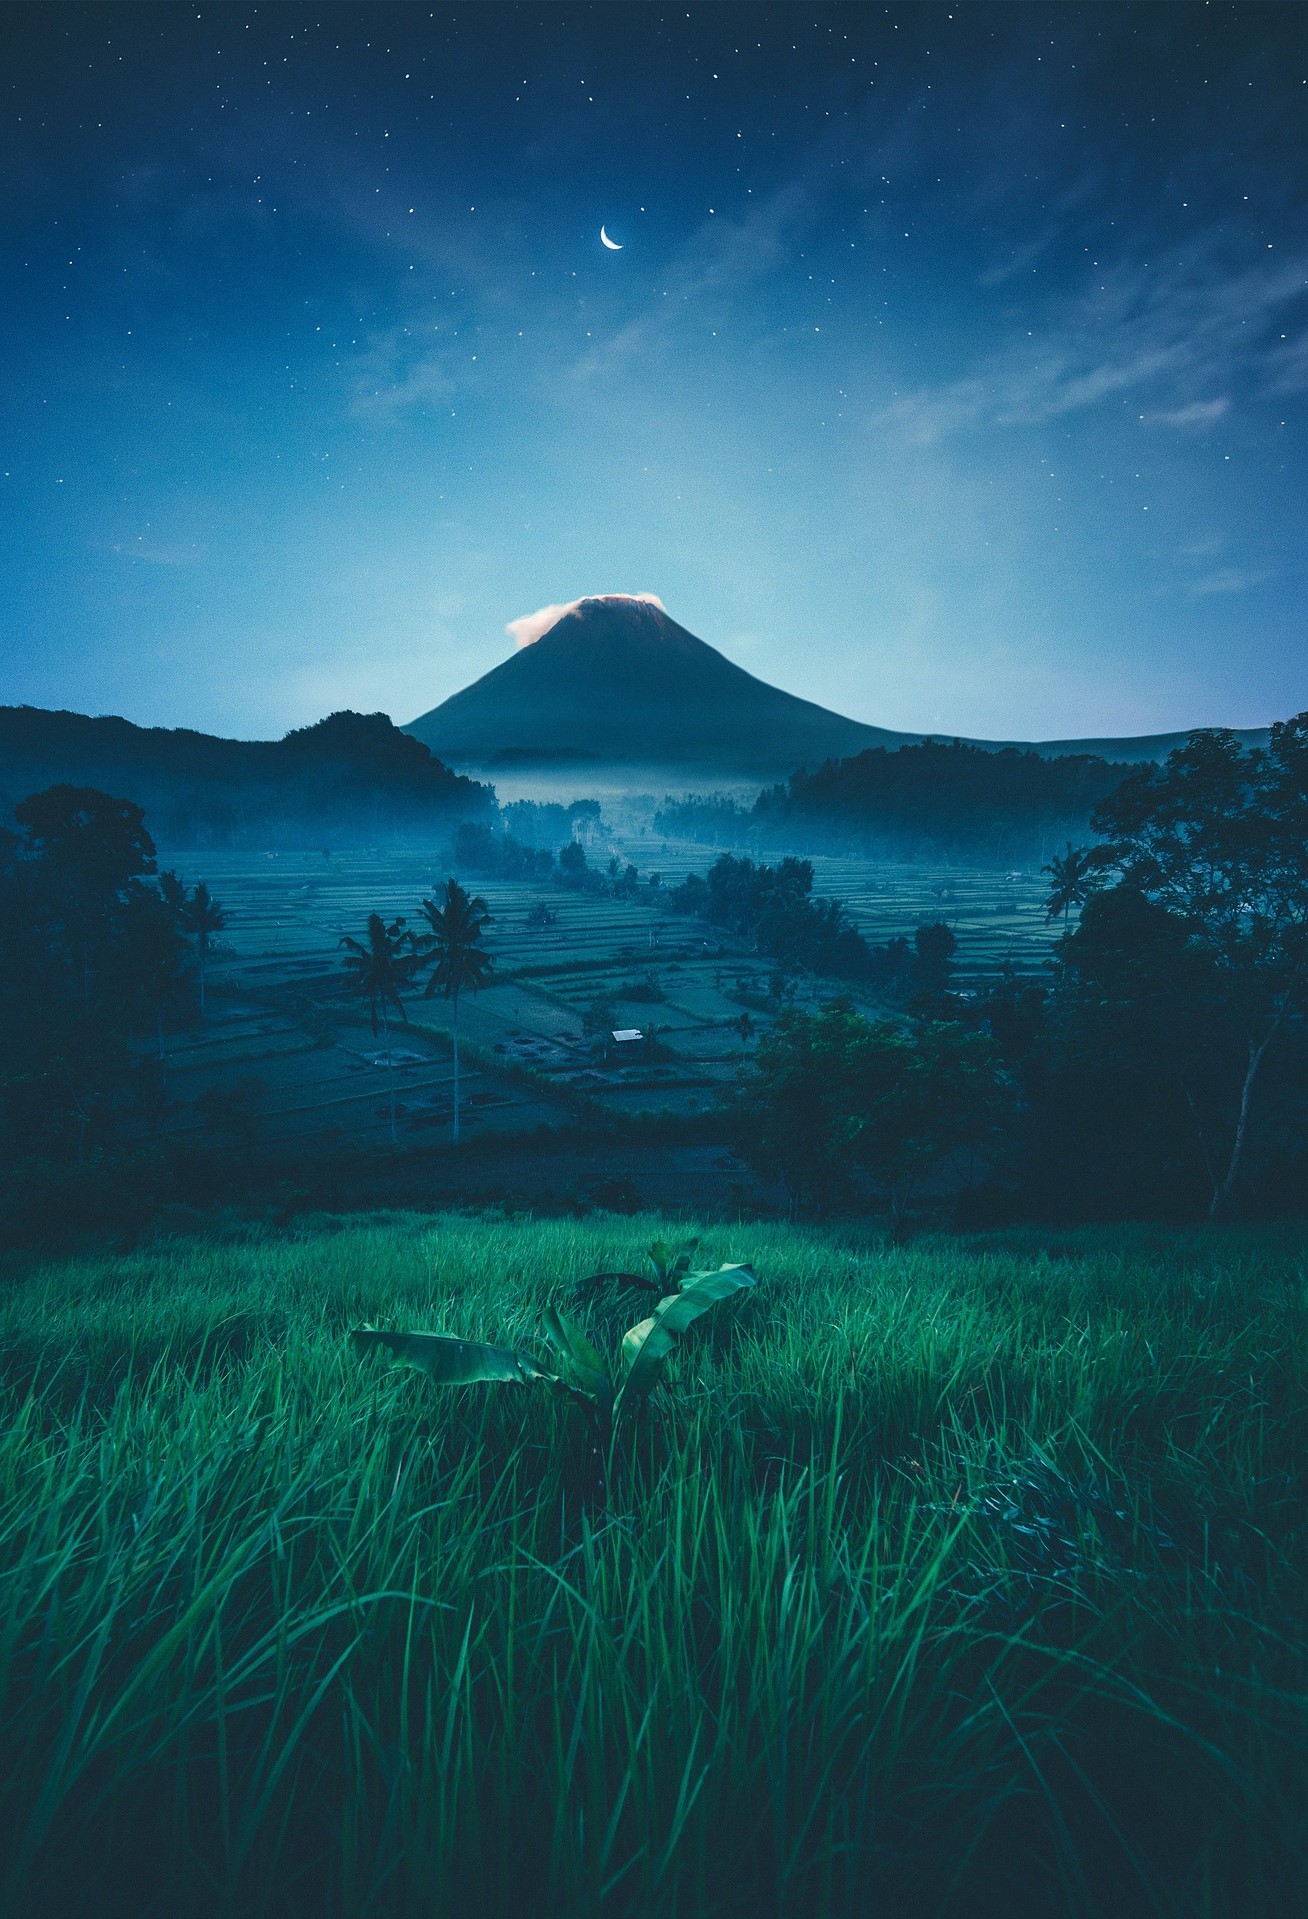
[{"x": 615, "y": 678}]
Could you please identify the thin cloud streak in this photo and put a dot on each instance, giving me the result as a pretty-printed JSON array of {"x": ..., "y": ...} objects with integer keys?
[{"x": 1135, "y": 330}]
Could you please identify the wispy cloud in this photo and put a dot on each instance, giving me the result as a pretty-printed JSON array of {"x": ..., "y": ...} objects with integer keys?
[
  {"x": 1019, "y": 258},
  {"x": 529, "y": 627},
  {"x": 1227, "y": 580},
  {"x": 1132, "y": 328},
  {"x": 1199, "y": 413},
  {"x": 166, "y": 553},
  {"x": 719, "y": 261},
  {"x": 398, "y": 370}
]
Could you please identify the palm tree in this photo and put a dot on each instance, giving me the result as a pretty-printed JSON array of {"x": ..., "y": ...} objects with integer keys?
[
  {"x": 457, "y": 929},
  {"x": 202, "y": 917},
  {"x": 1073, "y": 877},
  {"x": 172, "y": 891},
  {"x": 381, "y": 963}
]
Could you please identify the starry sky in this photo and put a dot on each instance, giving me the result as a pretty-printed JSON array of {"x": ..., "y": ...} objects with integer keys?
[{"x": 953, "y": 371}]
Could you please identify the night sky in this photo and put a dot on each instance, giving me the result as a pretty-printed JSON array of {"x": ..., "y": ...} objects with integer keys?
[{"x": 953, "y": 372}]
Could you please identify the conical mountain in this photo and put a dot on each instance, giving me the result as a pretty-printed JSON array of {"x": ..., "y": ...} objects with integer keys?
[{"x": 616, "y": 681}]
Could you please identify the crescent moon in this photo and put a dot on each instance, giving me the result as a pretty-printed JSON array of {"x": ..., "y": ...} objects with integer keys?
[{"x": 614, "y": 246}]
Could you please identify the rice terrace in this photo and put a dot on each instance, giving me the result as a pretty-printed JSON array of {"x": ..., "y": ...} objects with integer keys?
[
  {"x": 654, "y": 1243},
  {"x": 277, "y": 993}
]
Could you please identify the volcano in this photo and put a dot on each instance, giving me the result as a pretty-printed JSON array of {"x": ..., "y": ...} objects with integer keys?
[{"x": 615, "y": 682}]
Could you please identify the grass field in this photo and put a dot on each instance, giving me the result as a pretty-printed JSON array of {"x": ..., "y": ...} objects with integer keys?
[{"x": 961, "y": 1578}]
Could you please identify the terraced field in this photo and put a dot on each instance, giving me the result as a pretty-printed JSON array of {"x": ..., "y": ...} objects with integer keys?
[
  {"x": 997, "y": 916},
  {"x": 288, "y": 1056}
]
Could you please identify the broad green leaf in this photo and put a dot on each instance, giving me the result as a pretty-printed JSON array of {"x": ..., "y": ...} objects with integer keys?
[
  {"x": 567, "y": 1337},
  {"x": 450, "y": 1361},
  {"x": 720, "y": 1282},
  {"x": 633, "y": 1341},
  {"x": 646, "y": 1346}
]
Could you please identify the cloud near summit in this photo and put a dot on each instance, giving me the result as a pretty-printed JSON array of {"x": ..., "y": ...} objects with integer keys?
[{"x": 529, "y": 627}]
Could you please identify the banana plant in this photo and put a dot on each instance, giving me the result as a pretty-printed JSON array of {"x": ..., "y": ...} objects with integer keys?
[
  {"x": 606, "y": 1395},
  {"x": 670, "y": 1263}
]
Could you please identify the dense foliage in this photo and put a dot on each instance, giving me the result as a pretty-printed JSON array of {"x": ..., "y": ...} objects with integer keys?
[
  {"x": 484, "y": 853},
  {"x": 93, "y": 955},
  {"x": 831, "y": 1101},
  {"x": 1165, "y": 1068},
  {"x": 938, "y": 801},
  {"x": 774, "y": 907}
]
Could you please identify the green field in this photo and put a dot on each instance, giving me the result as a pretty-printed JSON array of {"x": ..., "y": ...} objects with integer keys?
[{"x": 965, "y": 1578}]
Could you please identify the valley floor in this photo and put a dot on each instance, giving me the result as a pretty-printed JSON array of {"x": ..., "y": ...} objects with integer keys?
[{"x": 287, "y": 1060}]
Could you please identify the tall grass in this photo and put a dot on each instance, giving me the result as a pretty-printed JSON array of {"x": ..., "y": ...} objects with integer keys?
[{"x": 964, "y": 1578}]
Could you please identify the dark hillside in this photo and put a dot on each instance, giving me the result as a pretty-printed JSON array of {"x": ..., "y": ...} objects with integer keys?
[
  {"x": 929, "y": 801},
  {"x": 351, "y": 777},
  {"x": 944, "y": 800}
]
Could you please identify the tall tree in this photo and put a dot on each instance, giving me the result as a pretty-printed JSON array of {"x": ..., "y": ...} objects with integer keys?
[
  {"x": 381, "y": 965},
  {"x": 149, "y": 958},
  {"x": 461, "y": 963},
  {"x": 1073, "y": 876},
  {"x": 1218, "y": 837},
  {"x": 89, "y": 848},
  {"x": 831, "y": 1092},
  {"x": 201, "y": 916}
]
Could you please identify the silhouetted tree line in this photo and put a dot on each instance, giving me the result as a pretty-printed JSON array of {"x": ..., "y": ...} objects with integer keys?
[
  {"x": 351, "y": 778},
  {"x": 483, "y": 852},
  {"x": 934, "y": 801},
  {"x": 774, "y": 906},
  {"x": 1164, "y": 1069},
  {"x": 97, "y": 955},
  {"x": 910, "y": 972},
  {"x": 1160, "y": 1070}
]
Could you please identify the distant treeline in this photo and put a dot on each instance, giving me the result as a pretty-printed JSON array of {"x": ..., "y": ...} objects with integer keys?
[
  {"x": 352, "y": 778},
  {"x": 484, "y": 853},
  {"x": 774, "y": 906},
  {"x": 934, "y": 801}
]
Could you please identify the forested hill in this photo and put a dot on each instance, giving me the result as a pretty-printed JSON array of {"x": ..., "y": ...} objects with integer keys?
[
  {"x": 353, "y": 777},
  {"x": 935, "y": 800}
]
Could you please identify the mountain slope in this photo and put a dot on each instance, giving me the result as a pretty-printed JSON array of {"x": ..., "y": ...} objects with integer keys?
[{"x": 616, "y": 682}]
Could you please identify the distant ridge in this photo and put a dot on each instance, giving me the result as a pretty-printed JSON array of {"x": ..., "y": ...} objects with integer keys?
[
  {"x": 352, "y": 777},
  {"x": 617, "y": 682}
]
